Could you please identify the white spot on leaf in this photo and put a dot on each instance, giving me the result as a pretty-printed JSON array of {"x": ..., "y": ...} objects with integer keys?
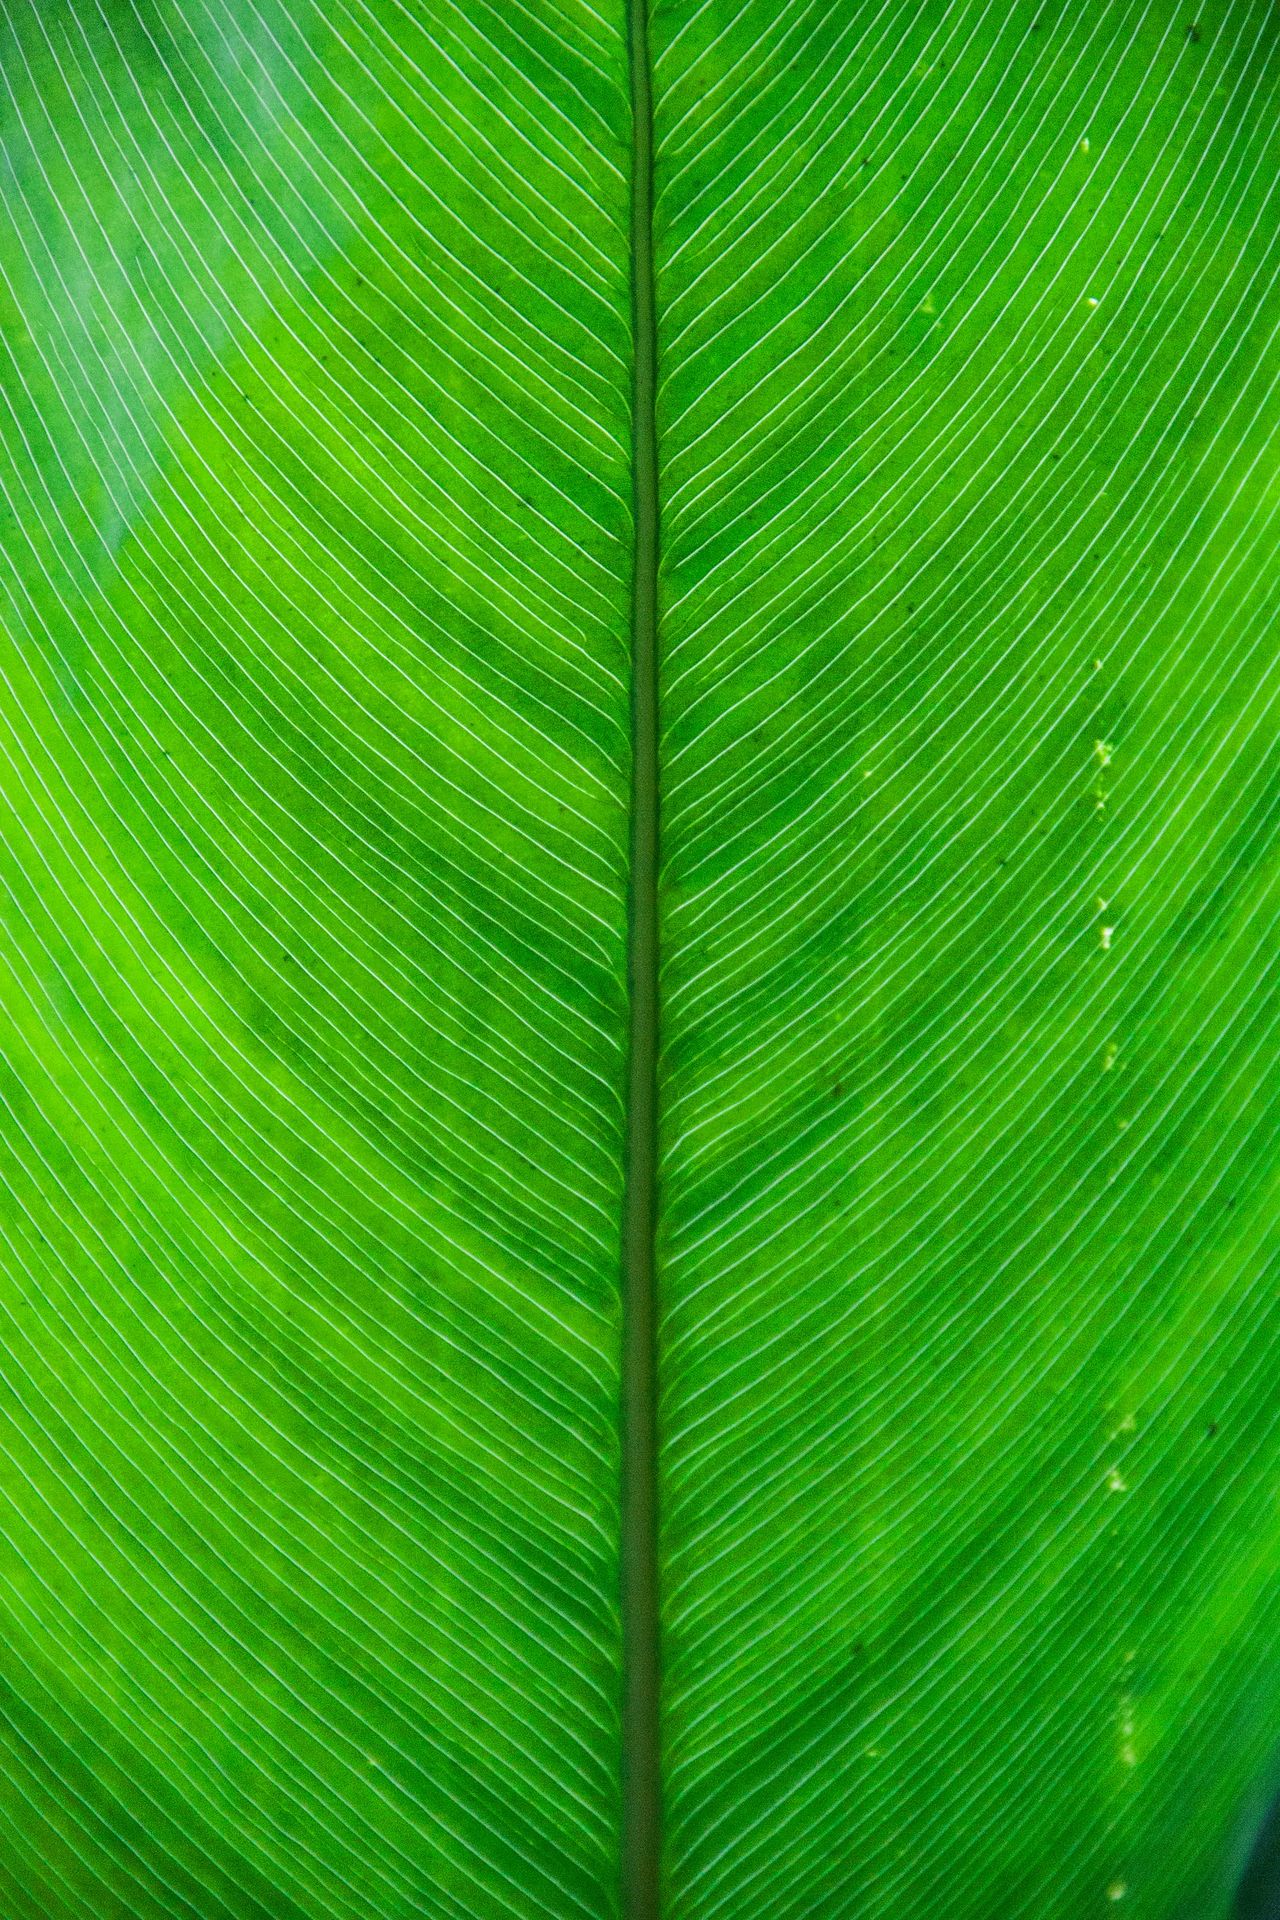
[{"x": 1128, "y": 1751}]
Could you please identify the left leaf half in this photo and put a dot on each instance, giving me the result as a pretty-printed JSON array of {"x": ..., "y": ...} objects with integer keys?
[{"x": 314, "y": 570}]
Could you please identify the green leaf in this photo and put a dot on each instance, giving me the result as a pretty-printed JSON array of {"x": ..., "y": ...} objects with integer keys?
[
  {"x": 328, "y": 1231},
  {"x": 972, "y": 798}
]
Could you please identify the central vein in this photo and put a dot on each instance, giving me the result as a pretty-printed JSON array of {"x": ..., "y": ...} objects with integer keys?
[{"x": 640, "y": 1744}]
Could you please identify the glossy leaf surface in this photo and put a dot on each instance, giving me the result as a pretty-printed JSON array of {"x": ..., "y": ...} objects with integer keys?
[{"x": 316, "y": 547}]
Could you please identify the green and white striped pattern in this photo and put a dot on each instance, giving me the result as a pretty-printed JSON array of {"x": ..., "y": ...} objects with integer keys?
[{"x": 316, "y": 553}]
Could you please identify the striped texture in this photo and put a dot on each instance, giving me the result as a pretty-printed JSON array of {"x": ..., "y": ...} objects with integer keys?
[
  {"x": 314, "y": 569},
  {"x": 970, "y": 417},
  {"x": 315, "y": 586}
]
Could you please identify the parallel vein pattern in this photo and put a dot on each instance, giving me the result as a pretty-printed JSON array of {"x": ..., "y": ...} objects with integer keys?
[
  {"x": 317, "y": 537},
  {"x": 969, "y": 420},
  {"x": 314, "y": 571}
]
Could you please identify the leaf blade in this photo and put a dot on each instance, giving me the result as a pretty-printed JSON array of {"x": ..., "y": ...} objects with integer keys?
[
  {"x": 950, "y": 1300},
  {"x": 317, "y": 417}
]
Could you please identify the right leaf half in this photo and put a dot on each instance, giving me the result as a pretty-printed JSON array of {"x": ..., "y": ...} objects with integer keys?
[{"x": 971, "y": 444}]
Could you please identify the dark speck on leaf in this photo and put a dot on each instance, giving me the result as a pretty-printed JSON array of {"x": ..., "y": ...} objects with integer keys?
[
  {"x": 1193, "y": 33},
  {"x": 1211, "y": 1429}
]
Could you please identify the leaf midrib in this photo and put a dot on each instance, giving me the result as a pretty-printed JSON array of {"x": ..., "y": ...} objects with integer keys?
[{"x": 639, "y": 1509}]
